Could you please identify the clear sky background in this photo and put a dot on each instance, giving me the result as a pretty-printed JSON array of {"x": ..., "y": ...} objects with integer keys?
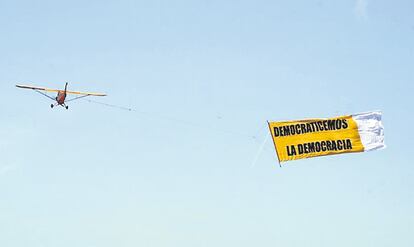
[{"x": 202, "y": 77}]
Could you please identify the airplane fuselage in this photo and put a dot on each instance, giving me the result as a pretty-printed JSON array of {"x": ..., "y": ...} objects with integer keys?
[{"x": 60, "y": 98}]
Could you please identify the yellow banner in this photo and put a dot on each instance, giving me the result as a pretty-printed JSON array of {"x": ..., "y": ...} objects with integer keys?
[{"x": 315, "y": 137}]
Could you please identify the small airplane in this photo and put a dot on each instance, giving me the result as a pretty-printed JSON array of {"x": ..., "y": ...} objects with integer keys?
[{"x": 61, "y": 94}]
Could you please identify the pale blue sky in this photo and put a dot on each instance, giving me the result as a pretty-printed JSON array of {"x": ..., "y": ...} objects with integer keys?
[{"x": 206, "y": 75}]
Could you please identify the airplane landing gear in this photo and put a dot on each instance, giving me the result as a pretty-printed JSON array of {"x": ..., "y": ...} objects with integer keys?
[
  {"x": 67, "y": 107},
  {"x": 51, "y": 106}
]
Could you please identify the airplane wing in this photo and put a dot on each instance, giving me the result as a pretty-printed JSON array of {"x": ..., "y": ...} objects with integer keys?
[
  {"x": 38, "y": 88},
  {"x": 86, "y": 94},
  {"x": 57, "y": 90}
]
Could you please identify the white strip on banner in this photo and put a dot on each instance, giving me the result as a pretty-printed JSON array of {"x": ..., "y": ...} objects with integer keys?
[{"x": 370, "y": 129}]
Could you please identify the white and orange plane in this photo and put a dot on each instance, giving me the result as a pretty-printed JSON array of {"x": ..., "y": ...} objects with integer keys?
[{"x": 61, "y": 94}]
